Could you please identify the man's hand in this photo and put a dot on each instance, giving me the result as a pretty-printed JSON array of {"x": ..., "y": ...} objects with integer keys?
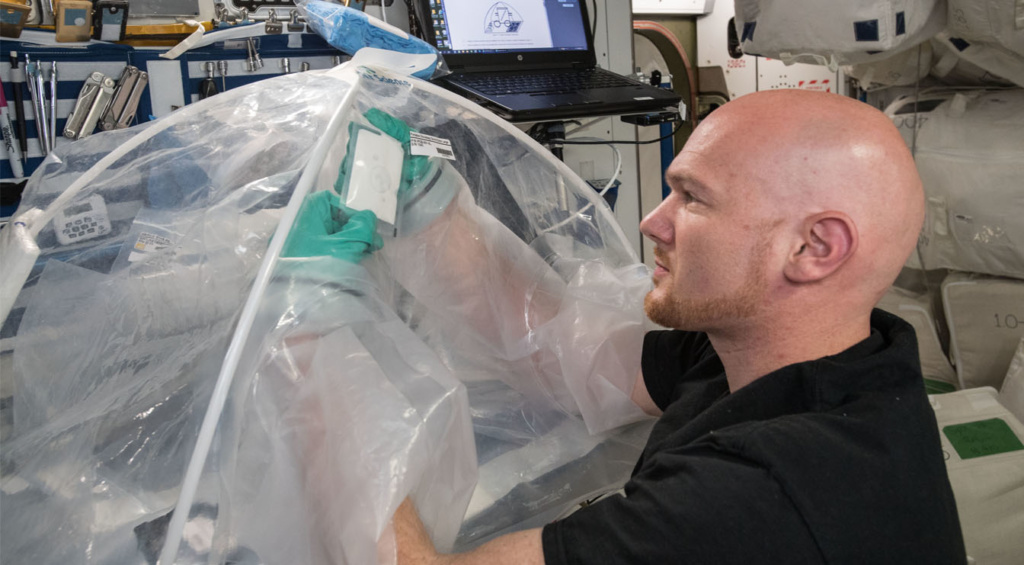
[
  {"x": 415, "y": 547},
  {"x": 324, "y": 227}
]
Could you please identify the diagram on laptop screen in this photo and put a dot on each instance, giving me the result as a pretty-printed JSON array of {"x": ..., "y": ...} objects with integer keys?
[
  {"x": 501, "y": 18},
  {"x": 505, "y": 25}
]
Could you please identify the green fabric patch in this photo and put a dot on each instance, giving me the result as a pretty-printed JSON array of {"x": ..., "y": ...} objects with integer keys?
[
  {"x": 938, "y": 387},
  {"x": 982, "y": 438}
]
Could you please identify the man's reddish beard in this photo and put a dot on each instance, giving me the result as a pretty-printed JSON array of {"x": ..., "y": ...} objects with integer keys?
[{"x": 680, "y": 312}]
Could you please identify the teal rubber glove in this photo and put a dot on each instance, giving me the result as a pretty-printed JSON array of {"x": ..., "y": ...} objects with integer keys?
[{"x": 326, "y": 228}]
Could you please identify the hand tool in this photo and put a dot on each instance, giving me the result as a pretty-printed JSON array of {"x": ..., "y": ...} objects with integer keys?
[
  {"x": 92, "y": 101},
  {"x": 121, "y": 110},
  {"x": 132, "y": 106},
  {"x": 207, "y": 87}
]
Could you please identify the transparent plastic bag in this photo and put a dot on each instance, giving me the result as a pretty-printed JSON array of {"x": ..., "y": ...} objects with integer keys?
[{"x": 353, "y": 386}]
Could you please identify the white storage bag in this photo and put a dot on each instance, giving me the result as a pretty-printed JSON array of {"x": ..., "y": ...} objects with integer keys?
[
  {"x": 949, "y": 67},
  {"x": 901, "y": 69},
  {"x": 809, "y": 31},
  {"x": 997, "y": 22},
  {"x": 1011, "y": 395},
  {"x": 985, "y": 316},
  {"x": 984, "y": 452},
  {"x": 969, "y": 153},
  {"x": 995, "y": 59},
  {"x": 917, "y": 311}
]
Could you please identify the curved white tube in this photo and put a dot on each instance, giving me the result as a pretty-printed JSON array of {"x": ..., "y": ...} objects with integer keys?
[
  {"x": 18, "y": 254},
  {"x": 176, "y": 527}
]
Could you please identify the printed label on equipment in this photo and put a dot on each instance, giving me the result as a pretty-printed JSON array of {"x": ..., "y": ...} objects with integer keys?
[
  {"x": 430, "y": 146},
  {"x": 147, "y": 243},
  {"x": 980, "y": 439}
]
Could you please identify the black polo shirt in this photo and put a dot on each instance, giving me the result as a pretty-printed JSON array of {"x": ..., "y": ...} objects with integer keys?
[{"x": 835, "y": 460}]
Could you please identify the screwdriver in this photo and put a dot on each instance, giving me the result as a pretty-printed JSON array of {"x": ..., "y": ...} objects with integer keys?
[{"x": 208, "y": 87}]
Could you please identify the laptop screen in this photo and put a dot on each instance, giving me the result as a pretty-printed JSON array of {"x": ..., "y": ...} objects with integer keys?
[{"x": 504, "y": 26}]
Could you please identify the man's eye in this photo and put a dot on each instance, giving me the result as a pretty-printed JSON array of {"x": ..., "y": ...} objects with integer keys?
[{"x": 687, "y": 196}]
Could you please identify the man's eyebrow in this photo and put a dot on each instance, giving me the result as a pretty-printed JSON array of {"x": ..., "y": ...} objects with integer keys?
[{"x": 684, "y": 179}]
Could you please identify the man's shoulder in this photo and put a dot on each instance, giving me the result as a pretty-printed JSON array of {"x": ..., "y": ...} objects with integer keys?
[
  {"x": 849, "y": 458},
  {"x": 673, "y": 359}
]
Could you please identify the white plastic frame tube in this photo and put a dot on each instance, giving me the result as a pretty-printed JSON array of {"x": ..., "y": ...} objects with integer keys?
[{"x": 194, "y": 471}]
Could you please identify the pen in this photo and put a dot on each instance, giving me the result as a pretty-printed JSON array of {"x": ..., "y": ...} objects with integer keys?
[
  {"x": 19, "y": 106},
  {"x": 13, "y": 151},
  {"x": 34, "y": 89},
  {"x": 42, "y": 124},
  {"x": 53, "y": 105}
]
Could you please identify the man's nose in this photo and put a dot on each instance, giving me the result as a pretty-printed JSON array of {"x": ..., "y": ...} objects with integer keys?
[{"x": 656, "y": 225}]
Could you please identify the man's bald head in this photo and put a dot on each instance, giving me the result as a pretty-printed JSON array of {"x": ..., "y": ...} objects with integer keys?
[
  {"x": 797, "y": 155},
  {"x": 791, "y": 213}
]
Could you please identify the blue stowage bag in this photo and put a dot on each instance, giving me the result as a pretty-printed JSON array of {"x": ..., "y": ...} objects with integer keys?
[{"x": 350, "y": 30}]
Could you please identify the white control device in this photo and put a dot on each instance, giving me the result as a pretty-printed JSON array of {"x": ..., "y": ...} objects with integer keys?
[
  {"x": 376, "y": 175},
  {"x": 82, "y": 221}
]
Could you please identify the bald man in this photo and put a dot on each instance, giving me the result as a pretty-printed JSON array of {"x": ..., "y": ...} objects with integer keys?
[{"x": 794, "y": 426}]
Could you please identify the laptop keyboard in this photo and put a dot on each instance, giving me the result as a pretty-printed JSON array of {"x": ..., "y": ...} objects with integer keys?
[{"x": 543, "y": 83}]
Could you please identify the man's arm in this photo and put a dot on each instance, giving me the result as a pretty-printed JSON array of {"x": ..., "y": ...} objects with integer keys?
[
  {"x": 642, "y": 398},
  {"x": 415, "y": 547}
]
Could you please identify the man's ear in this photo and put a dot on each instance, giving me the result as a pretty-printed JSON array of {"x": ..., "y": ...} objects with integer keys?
[{"x": 826, "y": 241}]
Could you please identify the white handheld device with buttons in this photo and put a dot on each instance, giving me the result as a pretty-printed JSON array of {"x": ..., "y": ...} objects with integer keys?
[
  {"x": 82, "y": 221},
  {"x": 376, "y": 175}
]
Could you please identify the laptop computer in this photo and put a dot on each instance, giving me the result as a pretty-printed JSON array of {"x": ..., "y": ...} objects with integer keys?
[{"x": 531, "y": 60}]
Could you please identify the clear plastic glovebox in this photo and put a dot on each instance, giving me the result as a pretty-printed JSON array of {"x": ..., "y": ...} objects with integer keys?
[{"x": 480, "y": 362}]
